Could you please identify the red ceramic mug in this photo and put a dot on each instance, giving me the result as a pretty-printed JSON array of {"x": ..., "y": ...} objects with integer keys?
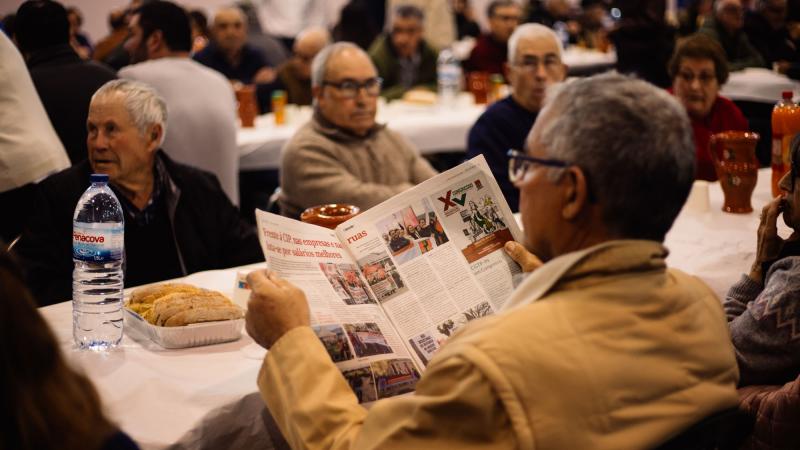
[{"x": 329, "y": 216}]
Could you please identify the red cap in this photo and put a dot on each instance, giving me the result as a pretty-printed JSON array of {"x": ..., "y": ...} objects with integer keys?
[{"x": 787, "y": 95}]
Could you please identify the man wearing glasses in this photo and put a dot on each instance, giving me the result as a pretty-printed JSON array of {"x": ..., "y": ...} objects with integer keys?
[
  {"x": 342, "y": 155},
  {"x": 534, "y": 65},
  {"x": 602, "y": 347}
]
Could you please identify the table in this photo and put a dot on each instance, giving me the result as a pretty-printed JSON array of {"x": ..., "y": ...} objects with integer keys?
[
  {"x": 430, "y": 128},
  {"x": 206, "y": 397},
  {"x": 758, "y": 85},
  {"x": 176, "y": 398},
  {"x": 582, "y": 62}
]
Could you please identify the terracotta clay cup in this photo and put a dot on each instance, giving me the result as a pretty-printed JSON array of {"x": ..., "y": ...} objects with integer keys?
[
  {"x": 478, "y": 85},
  {"x": 329, "y": 216},
  {"x": 248, "y": 108},
  {"x": 734, "y": 155}
]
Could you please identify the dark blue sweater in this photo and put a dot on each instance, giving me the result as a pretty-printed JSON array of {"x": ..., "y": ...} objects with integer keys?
[{"x": 503, "y": 126}]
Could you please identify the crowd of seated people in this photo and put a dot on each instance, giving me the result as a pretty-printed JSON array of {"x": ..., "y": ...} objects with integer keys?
[{"x": 153, "y": 105}]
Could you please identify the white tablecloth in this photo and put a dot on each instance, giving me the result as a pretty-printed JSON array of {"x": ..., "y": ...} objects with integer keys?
[
  {"x": 430, "y": 128},
  {"x": 207, "y": 394},
  {"x": 582, "y": 59},
  {"x": 758, "y": 85}
]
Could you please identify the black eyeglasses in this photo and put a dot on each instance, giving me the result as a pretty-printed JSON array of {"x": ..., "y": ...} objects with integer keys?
[
  {"x": 519, "y": 164},
  {"x": 350, "y": 88}
]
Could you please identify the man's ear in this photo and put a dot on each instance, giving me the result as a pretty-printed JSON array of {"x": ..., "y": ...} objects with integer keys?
[
  {"x": 575, "y": 194},
  {"x": 506, "y": 72},
  {"x": 155, "y": 42},
  {"x": 153, "y": 137}
]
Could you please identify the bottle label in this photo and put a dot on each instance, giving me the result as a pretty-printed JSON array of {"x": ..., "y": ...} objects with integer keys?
[{"x": 97, "y": 242}]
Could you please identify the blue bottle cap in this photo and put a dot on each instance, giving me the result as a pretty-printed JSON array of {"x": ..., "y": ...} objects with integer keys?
[{"x": 98, "y": 178}]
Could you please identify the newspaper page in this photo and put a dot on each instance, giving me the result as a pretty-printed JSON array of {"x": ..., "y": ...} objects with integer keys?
[
  {"x": 433, "y": 255},
  {"x": 344, "y": 312}
]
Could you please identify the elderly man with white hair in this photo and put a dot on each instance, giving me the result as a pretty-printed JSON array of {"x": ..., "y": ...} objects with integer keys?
[
  {"x": 534, "y": 64},
  {"x": 601, "y": 347},
  {"x": 177, "y": 218},
  {"x": 342, "y": 155},
  {"x": 726, "y": 27}
]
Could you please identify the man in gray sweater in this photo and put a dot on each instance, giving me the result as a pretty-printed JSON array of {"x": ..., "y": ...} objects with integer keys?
[{"x": 341, "y": 155}]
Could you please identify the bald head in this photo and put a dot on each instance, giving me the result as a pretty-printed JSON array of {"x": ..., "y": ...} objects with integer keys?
[
  {"x": 229, "y": 29},
  {"x": 308, "y": 43}
]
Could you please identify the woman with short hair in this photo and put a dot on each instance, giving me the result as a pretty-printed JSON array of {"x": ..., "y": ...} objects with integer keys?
[{"x": 698, "y": 69}]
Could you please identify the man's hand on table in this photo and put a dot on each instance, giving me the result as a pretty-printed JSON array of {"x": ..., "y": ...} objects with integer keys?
[
  {"x": 275, "y": 307},
  {"x": 769, "y": 244},
  {"x": 527, "y": 260}
]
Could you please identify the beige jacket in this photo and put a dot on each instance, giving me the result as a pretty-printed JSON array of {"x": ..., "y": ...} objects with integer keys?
[
  {"x": 599, "y": 349},
  {"x": 322, "y": 164}
]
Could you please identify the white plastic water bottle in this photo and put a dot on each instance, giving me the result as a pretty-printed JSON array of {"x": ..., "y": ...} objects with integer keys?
[
  {"x": 98, "y": 240},
  {"x": 560, "y": 29},
  {"x": 448, "y": 73}
]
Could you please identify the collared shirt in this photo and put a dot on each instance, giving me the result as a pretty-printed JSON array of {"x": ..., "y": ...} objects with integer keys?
[{"x": 147, "y": 215}]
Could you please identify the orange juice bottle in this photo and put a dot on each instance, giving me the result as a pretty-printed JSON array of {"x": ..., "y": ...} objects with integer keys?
[
  {"x": 279, "y": 106},
  {"x": 780, "y": 118}
]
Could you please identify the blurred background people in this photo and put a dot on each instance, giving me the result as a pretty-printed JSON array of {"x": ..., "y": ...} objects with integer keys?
[
  {"x": 643, "y": 40},
  {"x": 491, "y": 50},
  {"x": 64, "y": 81},
  {"x": 726, "y": 27},
  {"x": 200, "y": 101},
  {"x": 50, "y": 405},
  {"x": 698, "y": 70},
  {"x": 767, "y": 30},
  {"x": 273, "y": 48},
  {"x": 200, "y": 33},
  {"x": 465, "y": 20},
  {"x": 360, "y": 22},
  {"x": 79, "y": 41},
  {"x": 294, "y": 76},
  {"x": 440, "y": 24},
  {"x": 403, "y": 58},
  {"x": 230, "y": 54},
  {"x": 118, "y": 25}
]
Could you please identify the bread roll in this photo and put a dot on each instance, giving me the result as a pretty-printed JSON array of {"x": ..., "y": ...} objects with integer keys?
[
  {"x": 149, "y": 294},
  {"x": 175, "y": 304}
]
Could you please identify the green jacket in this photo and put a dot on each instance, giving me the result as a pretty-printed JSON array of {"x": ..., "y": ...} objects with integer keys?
[
  {"x": 738, "y": 49},
  {"x": 384, "y": 56}
]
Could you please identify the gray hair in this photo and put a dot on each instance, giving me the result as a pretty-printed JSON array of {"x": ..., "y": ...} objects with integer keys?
[
  {"x": 635, "y": 144},
  {"x": 320, "y": 64},
  {"x": 409, "y": 12},
  {"x": 141, "y": 101},
  {"x": 532, "y": 31}
]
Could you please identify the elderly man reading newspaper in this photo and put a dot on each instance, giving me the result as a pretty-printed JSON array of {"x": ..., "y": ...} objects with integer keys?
[{"x": 602, "y": 346}]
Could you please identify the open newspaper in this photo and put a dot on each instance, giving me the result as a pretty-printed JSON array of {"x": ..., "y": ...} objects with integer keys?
[{"x": 389, "y": 286}]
